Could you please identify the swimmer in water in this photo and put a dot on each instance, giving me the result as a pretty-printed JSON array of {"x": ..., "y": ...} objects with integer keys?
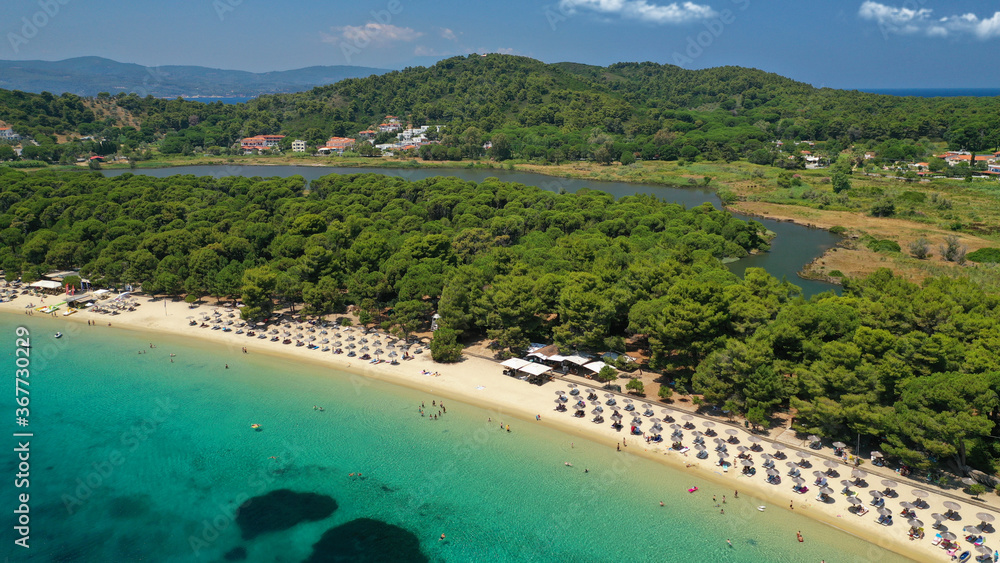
[{"x": 730, "y": 543}]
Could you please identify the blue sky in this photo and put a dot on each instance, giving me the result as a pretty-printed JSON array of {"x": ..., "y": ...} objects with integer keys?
[{"x": 842, "y": 43}]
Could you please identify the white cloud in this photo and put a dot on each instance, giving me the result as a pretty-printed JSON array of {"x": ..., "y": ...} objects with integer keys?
[
  {"x": 372, "y": 32},
  {"x": 908, "y": 21},
  {"x": 642, "y": 10},
  {"x": 448, "y": 34}
]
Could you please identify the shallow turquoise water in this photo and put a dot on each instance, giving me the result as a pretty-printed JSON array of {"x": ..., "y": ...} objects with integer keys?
[{"x": 136, "y": 458}]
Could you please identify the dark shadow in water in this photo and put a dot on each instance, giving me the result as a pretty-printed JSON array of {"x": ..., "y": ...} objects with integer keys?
[
  {"x": 280, "y": 510},
  {"x": 365, "y": 540},
  {"x": 236, "y": 554}
]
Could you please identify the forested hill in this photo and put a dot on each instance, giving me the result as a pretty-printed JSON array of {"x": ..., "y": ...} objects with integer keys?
[
  {"x": 88, "y": 76},
  {"x": 543, "y": 111}
]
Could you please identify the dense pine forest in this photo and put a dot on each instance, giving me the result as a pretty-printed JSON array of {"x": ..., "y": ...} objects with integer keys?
[
  {"x": 911, "y": 368},
  {"x": 535, "y": 111}
]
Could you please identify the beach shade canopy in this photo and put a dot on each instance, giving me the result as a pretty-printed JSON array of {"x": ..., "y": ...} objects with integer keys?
[
  {"x": 813, "y": 438},
  {"x": 875, "y": 494},
  {"x": 948, "y": 536},
  {"x": 560, "y": 392},
  {"x": 846, "y": 483},
  {"x": 854, "y": 500},
  {"x": 952, "y": 505},
  {"x": 708, "y": 424},
  {"x": 829, "y": 491},
  {"x": 746, "y": 463},
  {"x": 937, "y": 517},
  {"x": 778, "y": 446},
  {"x": 972, "y": 530},
  {"x": 876, "y": 454},
  {"x": 969, "y": 481},
  {"x": 890, "y": 483},
  {"x": 803, "y": 455},
  {"x": 791, "y": 464},
  {"x": 514, "y": 363},
  {"x": 839, "y": 445},
  {"x": 754, "y": 439},
  {"x": 885, "y": 511},
  {"x": 831, "y": 464},
  {"x": 915, "y": 523},
  {"x": 742, "y": 449},
  {"x": 723, "y": 455},
  {"x": 773, "y": 472},
  {"x": 700, "y": 447},
  {"x": 920, "y": 494},
  {"x": 687, "y": 417},
  {"x": 800, "y": 480},
  {"x": 984, "y": 516},
  {"x": 982, "y": 549},
  {"x": 907, "y": 505},
  {"x": 858, "y": 474}
]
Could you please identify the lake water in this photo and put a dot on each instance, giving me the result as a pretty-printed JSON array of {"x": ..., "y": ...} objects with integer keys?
[
  {"x": 135, "y": 458},
  {"x": 794, "y": 247}
]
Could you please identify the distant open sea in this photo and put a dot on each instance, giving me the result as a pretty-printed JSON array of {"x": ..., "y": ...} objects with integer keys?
[
  {"x": 223, "y": 100},
  {"x": 137, "y": 458},
  {"x": 935, "y": 92}
]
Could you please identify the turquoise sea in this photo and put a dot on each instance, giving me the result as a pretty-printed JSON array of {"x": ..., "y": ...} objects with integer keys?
[{"x": 135, "y": 458}]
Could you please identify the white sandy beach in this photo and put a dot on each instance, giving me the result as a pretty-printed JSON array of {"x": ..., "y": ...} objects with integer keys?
[{"x": 481, "y": 382}]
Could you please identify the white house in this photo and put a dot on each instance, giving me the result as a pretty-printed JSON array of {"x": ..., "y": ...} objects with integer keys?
[
  {"x": 6, "y": 133},
  {"x": 298, "y": 146}
]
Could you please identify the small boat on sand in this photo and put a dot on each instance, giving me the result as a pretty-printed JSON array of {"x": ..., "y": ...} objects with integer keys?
[{"x": 58, "y": 335}]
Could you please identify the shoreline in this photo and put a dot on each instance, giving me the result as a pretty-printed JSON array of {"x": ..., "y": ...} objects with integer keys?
[{"x": 480, "y": 382}]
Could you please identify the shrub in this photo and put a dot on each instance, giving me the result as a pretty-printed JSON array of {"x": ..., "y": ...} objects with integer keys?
[
  {"x": 883, "y": 208},
  {"x": 884, "y": 245},
  {"x": 607, "y": 374},
  {"x": 666, "y": 392},
  {"x": 836, "y": 274},
  {"x": 984, "y": 255},
  {"x": 838, "y": 230},
  {"x": 912, "y": 197},
  {"x": 920, "y": 248}
]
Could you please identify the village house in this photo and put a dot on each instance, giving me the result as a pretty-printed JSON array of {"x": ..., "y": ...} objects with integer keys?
[
  {"x": 336, "y": 145},
  {"x": 298, "y": 145},
  {"x": 8, "y": 134},
  {"x": 260, "y": 142},
  {"x": 367, "y": 135}
]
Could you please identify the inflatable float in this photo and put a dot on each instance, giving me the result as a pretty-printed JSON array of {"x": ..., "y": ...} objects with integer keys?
[{"x": 692, "y": 489}]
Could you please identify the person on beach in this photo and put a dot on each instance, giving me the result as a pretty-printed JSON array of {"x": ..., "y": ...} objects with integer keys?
[
  {"x": 736, "y": 494},
  {"x": 715, "y": 501},
  {"x": 618, "y": 447},
  {"x": 791, "y": 505},
  {"x": 722, "y": 511},
  {"x": 723, "y": 499}
]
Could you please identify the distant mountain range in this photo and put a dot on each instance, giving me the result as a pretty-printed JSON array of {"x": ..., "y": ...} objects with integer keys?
[{"x": 88, "y": 76}]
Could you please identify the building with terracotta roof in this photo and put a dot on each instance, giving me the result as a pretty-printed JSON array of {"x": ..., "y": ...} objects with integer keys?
[
  {"x": 7, "y": 133},
  {"x": 337, "y": 144},
  {"x": 260, "y": 142}
]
